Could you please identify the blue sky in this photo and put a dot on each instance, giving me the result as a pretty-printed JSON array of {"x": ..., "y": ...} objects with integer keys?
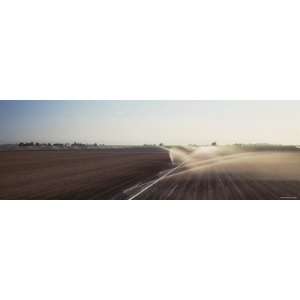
[{"x": 139, "y": 122}]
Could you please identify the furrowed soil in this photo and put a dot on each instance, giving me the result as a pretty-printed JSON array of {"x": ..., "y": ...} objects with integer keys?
[
  {"x": 81, "y": 174},
  {"x": 254, "y": 175}
]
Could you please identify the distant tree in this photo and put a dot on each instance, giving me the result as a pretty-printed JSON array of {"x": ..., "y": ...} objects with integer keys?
[
  {"x": 21, "y": 144},
  {"x": 214, "y": 143}
]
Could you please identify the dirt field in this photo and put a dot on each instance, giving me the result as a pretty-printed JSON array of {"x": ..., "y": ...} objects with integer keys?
[
  {"x": 100, "y": 174},
  {"x": 254, "y": 175},
  {"x": 147, "y": 173}
]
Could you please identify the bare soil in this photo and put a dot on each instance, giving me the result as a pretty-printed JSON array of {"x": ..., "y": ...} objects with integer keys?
[
  {"x": 82, "y": 174},
  {"x": 267, "y": 175}
]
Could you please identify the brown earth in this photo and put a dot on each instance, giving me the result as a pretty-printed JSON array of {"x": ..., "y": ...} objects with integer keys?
[
  {"x": 82, "y": 174},
  {"x": 253, "y": 175},
  {"x": 122, "y": 173}
]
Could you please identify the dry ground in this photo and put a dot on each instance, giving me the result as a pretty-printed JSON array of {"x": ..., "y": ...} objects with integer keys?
[
  {"x": 99, "y": 174},
  {"x": 122, "y": 173}
]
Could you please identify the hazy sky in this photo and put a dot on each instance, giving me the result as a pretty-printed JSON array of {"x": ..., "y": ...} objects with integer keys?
[{"x": 139, "y": 122}]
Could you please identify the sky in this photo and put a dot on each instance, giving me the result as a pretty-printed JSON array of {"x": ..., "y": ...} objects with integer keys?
[{"x": 150, "y": 122}]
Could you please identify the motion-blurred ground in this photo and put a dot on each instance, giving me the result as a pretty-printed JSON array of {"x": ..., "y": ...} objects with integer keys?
[
  {"x": 210, "y": 174},
  {"x": 151, "y": 173},
  {"x": 82, "y": 174}
]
